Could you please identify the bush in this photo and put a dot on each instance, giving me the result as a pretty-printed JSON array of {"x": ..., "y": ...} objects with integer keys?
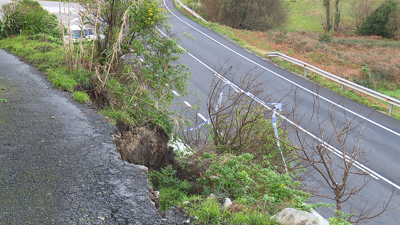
[
  {"x": 376, "y": 23},
  {"x": 172, "y": 190},
  {"x": 27, "y": 17},
  {"x": 360, "y": 10},
  {"x": 252, "y": 15},
  {"x": 247, "y": 182},
  {"x": 325, "y": 38},
  {"x": 393, "y": 26}
]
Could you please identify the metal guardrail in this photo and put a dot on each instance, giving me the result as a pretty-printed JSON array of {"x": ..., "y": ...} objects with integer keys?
[
  {"x": 191, "y": 11},
  {"x": 345, "y": 83}
]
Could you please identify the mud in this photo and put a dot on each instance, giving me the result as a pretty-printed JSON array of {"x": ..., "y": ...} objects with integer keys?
[{"x": 146, "y": 145}]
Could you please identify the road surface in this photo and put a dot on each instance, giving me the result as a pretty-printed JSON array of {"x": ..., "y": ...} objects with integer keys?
[{"x": 380, "y": 134}]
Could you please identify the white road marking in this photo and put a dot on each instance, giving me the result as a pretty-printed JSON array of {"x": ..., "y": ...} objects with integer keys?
[
  {"x": 305, "y": 89},
  {"x": 202, "y": 117},
  {"x": 188, "y": 104},
  {"x": 175, "y": 93},
  {"x": 331, "y": 148}
]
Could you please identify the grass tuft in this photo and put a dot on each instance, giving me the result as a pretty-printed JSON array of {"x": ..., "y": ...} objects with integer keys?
[{"x": 81, "y": 97}]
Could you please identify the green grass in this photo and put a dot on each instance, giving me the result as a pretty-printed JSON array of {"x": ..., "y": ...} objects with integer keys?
[
  {"x": 335, "y": 87},
  {"x": 81, "y": 97},
  {"x": 3, "y": 100},
  {"x": 303, "y": 16},
  {"x": 46, "y": 53},
  {"x": 384, "y": 43},
  {"x": 116, "y": 115},
  {"x": 391, "y": 93}
]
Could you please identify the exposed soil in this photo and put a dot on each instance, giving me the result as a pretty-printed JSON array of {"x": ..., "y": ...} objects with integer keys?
[{"x": 146, "y": 145}]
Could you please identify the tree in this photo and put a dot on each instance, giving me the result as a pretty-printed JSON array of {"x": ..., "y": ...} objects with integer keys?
[
  {"x": 377, "y": 22},
  {"x": 330, "y": 157},
  {"x": 242, "y": 14},
  {"x": 393, "y": 25},
  {"x": 331, "y": 21},
  {"x": 337, "y": 17},
  {"x": 132, "y": 65},
  {"x": 360, "y": 10},
  {"x": 328, "y": 19}
]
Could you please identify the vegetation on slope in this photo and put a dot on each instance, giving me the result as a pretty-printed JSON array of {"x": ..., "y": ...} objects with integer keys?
[{"x": 125, "y": 74}]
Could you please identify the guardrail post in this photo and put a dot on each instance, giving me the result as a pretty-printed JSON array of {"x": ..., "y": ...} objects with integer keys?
[
  {"x": 391, "y": 109},
  {"x": 342, "y": 87},
  {"x": 283, "y": 60},
  {"x": 305, "y": 72}
]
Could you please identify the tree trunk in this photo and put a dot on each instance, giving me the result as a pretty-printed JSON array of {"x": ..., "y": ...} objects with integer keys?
[
  {"x": 337, "y": 16},
  {"x": 327, "y": 4},
  {"x": 338, "y": 205}
]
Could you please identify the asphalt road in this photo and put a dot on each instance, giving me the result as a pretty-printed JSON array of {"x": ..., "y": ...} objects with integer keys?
[
  {"x": 58, "y": 163},
  {"x": 54, "y": 7},
  {"x": 381, "y": 142}
]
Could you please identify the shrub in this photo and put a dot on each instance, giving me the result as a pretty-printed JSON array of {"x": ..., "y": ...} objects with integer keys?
[
  {"x": 172, "y": 190},
  {"x": 376, "y": 23},
  {"x": 360, "y": 10},
  {"x": 248, "y": 182},
  {"x": 325, "y": 38},
  {"x": 27, "y": 17},
  {"x": 252, "y": 15},
  {"x": 393, "y": 26}
]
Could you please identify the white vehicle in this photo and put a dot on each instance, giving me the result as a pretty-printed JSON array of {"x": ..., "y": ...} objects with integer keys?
[{"x": 77, "y": 33}]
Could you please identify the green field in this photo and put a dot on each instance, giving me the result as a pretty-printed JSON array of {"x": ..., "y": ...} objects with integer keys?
[{"x": 303, "y": 16}]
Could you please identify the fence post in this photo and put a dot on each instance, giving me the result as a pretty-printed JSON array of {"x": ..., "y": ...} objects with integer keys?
[{"x": 391, "y": 109}]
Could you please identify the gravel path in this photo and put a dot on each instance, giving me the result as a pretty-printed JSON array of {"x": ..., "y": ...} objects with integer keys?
[{"x": 58, "y": 163}]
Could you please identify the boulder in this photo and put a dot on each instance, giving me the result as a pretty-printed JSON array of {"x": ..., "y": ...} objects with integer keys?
[
  {"x": 227, "y": 203},
  {"x": 291, "y": 216}
]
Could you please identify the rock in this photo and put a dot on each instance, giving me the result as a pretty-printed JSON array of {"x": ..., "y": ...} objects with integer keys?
[
  {"x": 212, "y": 196},
  {"x": 227, "y": 203},
  {"x": 176, "y": 216},
  {"x": 291, "y": 216},
  {"x": 153, "y": 195}
]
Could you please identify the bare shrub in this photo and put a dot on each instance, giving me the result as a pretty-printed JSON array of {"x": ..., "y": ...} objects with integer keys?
[
  {"x": 338, "y": 165},
  {"x": 252, "y": 15},
  {"x": 393, "y": 25},
  {"x": 360, "y": 10},
  {"x": 238, "y": 123}
]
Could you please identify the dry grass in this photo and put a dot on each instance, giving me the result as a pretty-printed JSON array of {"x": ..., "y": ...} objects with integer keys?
[
  {"x": 369, "y": 61},
  {"x": 345, "y": 56}
]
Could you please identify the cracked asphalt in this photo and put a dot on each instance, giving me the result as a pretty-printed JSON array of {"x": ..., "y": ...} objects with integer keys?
[{"x": 58, "y": 163}]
